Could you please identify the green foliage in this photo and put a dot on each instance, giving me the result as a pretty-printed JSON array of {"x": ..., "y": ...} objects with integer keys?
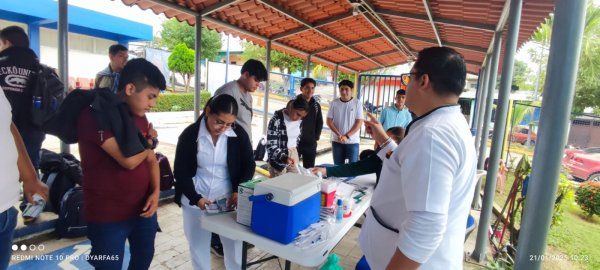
[
  {"x": 587, "y": 88},
  {"x": 179, "y": 102},
  {"x": 284, "y": 62},
  {"x": 175, "y": 32},
  {"x": 181, "y": 61},
  {"x": 344, "y": 76},
  {"x": 521, "y": 75},
  {"x": 588, "y": 198},
  {"x": 564, "y": 198}
]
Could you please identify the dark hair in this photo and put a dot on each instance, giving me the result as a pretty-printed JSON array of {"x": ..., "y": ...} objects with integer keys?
[
  {"x": 116, "y": 48},
  {"x": 304, "y": 81},
  {"x": 222, "y": 104},
  {"x": 365, "y": 154},
  {"x": 446, "y": 69},
  {"x": 299, "y": 104},
  {"x": 401, "y": 92},
  {"x": 142, "y": 74},
  {"x": 15, "y": 35},
  {"x": 346, "y": 83},
  {"x": 255, "y": 68},
  {"x": 397, "y": 133}
]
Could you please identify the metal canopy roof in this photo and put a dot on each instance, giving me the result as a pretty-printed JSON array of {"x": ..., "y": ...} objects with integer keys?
[{"x": 359, "y": 35}]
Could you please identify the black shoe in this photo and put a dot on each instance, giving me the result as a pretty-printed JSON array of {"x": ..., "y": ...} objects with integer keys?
[{"x": 217, "y": 250}]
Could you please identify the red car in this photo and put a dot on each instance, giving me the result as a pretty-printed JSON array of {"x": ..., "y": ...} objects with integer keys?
[
  {"x": 584, "y": 164},
  {"x": 520, "y": 136}
]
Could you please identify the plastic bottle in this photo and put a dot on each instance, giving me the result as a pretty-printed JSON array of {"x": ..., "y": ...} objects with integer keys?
[
  {"x": 37, "y": 102},
  {"x": 339, "y": 211}
]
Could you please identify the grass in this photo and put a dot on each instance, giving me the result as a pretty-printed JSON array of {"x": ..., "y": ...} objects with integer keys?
[{"x": 573, "y": 244}]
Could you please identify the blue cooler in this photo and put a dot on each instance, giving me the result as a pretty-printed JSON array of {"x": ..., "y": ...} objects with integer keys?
[{"x": 285, "y": 205}]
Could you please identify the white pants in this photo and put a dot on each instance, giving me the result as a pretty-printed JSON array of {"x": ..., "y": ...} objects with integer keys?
[{"x": 199, "y": 240}]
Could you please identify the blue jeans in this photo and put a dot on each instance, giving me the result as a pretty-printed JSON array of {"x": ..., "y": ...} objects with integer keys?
[
  {"x": 8, "y": 222},
  {"x": 108, "y": 243},
  {"x": 33, "y": 140},
  {"x": 341, "y": 152}
]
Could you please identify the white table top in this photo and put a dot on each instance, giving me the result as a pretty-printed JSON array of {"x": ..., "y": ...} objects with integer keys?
[{"x": 225, "y": 224}]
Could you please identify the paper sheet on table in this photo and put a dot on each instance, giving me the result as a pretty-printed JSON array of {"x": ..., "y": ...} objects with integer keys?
[{"x": 344, "y": 190}]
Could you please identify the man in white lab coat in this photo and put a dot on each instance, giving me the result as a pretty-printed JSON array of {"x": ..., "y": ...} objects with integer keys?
[{"x": 419, "y": 210}]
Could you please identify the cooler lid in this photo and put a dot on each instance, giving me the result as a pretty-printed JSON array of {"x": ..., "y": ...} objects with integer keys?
[{"x": 289, "y": 189}]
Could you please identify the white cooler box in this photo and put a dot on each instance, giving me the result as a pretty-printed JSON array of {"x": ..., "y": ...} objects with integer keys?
[{"x": 285, "y": 205}]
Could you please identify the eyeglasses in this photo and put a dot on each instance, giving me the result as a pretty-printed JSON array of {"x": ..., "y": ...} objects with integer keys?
[
  {"x": 220, "y": 124},
  {"x": 405, "y": 78}
]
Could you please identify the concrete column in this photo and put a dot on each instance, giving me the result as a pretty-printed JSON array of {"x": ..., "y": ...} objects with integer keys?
[{"x": 266, "y": 105}]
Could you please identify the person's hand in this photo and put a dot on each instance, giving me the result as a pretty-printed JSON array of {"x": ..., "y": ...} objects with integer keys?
[
  {"x": 316, "y": 171},
  {"x": 151, "y": 205},
  {"x": 151, "y": 131},
  {"x": 202, "y": 203},
  {"x": 290, "y": 161},
  {"x": 232, "y": 203},
  {"x": 35, "y": 187},
  {"x": 342, "y": 139},
  {"x": 376, "y": 129}
]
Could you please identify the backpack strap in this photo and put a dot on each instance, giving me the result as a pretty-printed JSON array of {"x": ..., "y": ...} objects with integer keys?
[{"x": 50, "y": 181}]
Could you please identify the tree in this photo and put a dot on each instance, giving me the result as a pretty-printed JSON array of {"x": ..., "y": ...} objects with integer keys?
[
  {"x": 587, "y": 87},
  {"x": 284, "y": 62},
  {"x": 181, "y": 61},
  {"x": 521, "y": 76},
  {"x": 175, "y": 32}
]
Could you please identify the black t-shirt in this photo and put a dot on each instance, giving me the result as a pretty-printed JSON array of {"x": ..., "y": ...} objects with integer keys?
[{"x": 17, "y": 70}]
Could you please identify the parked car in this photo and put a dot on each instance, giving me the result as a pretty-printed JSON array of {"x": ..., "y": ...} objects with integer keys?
[
  {"x": 583, "y": 164},
  {"x": 520, "y": 135}
]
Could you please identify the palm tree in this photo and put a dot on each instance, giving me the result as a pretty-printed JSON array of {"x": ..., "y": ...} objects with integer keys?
[{"x": 588, "y": 82}]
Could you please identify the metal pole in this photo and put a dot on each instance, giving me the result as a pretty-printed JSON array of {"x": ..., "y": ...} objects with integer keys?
[
  {"x": 482, "y": 100},
  {"x": 266, "y": 103},
  {"x": 227, "y": 63},
  {"x": 63, "y": 52},
  {"x": 484, "y": 219},
  {"x": 565, "y": 46},
  {"x": 335, "y": 81},
  {"x": 474, "y": 116},
  {"x": 197, "y": 74},
  {"x": 476, "y": 203},
  {"x": 308, "y": 66}
]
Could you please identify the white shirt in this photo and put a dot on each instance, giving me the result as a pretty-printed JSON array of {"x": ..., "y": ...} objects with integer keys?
[
  {"x": 344, "y": 115},
  {"x": 212, "y": 175},
  {"x": 425, "y": 191},
  {"x": 293, "y": 130},
  {"x": 9, "y": 182}
]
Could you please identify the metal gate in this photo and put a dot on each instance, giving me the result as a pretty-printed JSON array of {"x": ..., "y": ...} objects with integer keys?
[{"x": 376, "y": 92}]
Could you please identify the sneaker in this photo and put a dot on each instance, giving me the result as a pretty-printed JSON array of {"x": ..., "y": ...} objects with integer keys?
[{"x": 217, "y": 250}]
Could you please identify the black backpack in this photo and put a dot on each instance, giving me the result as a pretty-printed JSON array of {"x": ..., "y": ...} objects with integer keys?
[
  {"x": 47, "y": 92},
  {"x": 71, "y": 220},
  {"x": 60, "y": 172},
  {"x": 166, "y": 174},
  {"x": 261, "y": 149}
]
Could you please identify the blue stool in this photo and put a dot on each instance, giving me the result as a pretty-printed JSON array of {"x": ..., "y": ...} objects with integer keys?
[{"x": 471, "y": 224}]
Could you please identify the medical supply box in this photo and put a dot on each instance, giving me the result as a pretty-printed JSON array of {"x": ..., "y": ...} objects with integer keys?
[
  {"x": 285, "y": 205},
  {"x": 244, "y": 205}
]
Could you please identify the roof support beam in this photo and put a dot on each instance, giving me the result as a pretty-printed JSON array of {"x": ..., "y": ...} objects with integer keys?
[
  {"x": 433, "y": 27},
  {"x": 450, "y": 44},
  {"x": 372, "y": 56},
  {"x": 472, "y": 25},
  {"x": 274, "y": 43},
  {"x": 314, "y": 25},
  {"x": 348, "y": 44},
  {"x": 218, "y": 6},
  {"x": 402, "y": 47},
  {"x": 307, "y": 24}
]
